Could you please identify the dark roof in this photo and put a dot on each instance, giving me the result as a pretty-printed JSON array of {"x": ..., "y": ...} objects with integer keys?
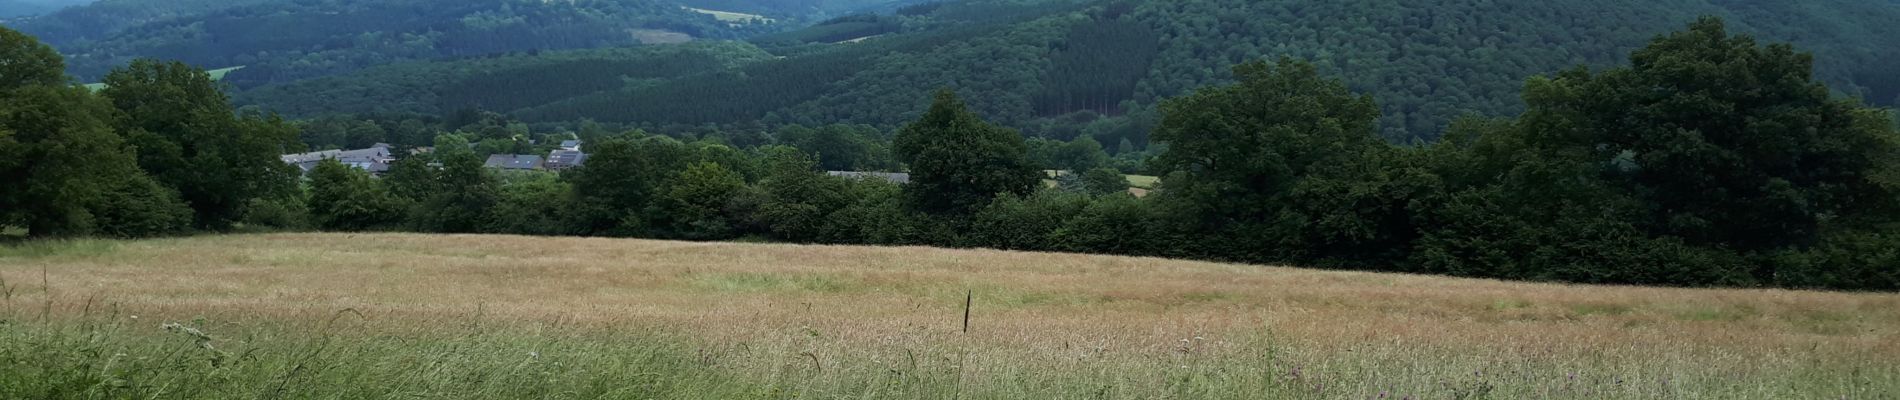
[
  {"x": 571, "y": 144},
  {"x": 375, "y": 159},
  {"x": 514, "y": 161},
  {"x": 560, "y": 159}
]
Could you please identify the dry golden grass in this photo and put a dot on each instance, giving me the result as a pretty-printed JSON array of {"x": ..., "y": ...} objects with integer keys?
[{"x": 830, "y": 320}]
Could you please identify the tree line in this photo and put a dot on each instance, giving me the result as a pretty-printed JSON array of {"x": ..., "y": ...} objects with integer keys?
[{"x": 1707, "y": 160}]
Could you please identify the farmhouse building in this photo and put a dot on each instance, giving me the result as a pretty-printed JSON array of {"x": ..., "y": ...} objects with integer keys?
[
  {"x": 514, "y": 162},
  {"x": 564, "y": 159},
  {"x": 375, "y": 159}
]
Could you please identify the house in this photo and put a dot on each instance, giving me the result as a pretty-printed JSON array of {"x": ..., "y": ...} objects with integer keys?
[
  {"x": 894, "y": 177},
  {"x": 564, "y": 159},
  {"x": 571, "y": 145},
  {"x": 375, "y": 159},
  {"x": 514, "y": 162}
]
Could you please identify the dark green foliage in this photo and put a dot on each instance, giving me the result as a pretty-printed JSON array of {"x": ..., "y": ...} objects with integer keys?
[
  {"x": 1709, "y": 160},
  {"x": 137, "y": 206},
  {"x": 462, "y": 191},
  {"x": 1746, "y": 166},
  {"x": 532, "y": 204},
  {"x": 851, "y": 27},
  {"x": 1103, "y": 181},
  {"x": 620, "y": 190},
  {"x": 1269, "y": 166},
  {"x": 1081, "y": 154},
  {"x": 502, "y": 83},
  {"x": 28, "y": 62},
  {"x": 699, "y": 199},
  {"x": 348, "y": 199},
  {"x": 281, "y": 41},
  {"x": 189, "y": 139},
  {"x": 66, "y": 172},
  {"x": 841, "y": 147},
  {"x": 1097, "y": 66},
  {"x": 286, "y": 213},
  {"x": 1027, "y": 64},
  {"x": 958, "y": 162},
  {"x": 337, "y": 132},
  {"x": 1852, "y": 260},
  {"x": 1024, "y": 223},
  {"x": 798, "y": 198},
  {"x": 100, "y": 19},
  {"x": 1114, "y": 224},
  {"x": 801, "y": 90}
]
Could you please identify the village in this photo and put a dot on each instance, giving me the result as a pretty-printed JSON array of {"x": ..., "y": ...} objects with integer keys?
[{"x": 378, "y": 158}]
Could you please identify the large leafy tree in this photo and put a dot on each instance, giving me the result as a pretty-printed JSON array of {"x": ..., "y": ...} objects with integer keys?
[
  {"x": 456, "y": 195},
  {"x": 698, "y": 200},
  {"x": 1726, "y": 143},
  {"x": 797, "y": 196},
  {"x": 959, "y": 163},
  {"x": 1729, "y": 142},
  {"x": 65, "y": 171},
  {"x": 189, "y": 138},
  {"x": 348, "y": 199},
  {"x": 1710, "y": 159},
  {"x": 1284, "y": 165},
  {"x": 28, "y": 62},
  {"x": 617, "y": 191}
]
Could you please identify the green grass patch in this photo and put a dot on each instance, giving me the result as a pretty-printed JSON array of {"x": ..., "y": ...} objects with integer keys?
[
  {"x": 1143, "y": 181},
  {"x": 32, "y": 249},
  {"x": 218, "y": 74},
  {"x": 120, "y": 357}
]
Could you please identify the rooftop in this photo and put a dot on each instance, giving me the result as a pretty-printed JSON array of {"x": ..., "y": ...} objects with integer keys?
[{"x": 514, "y": 161}]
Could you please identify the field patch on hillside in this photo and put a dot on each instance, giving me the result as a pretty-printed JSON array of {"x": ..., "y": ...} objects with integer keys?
[
  {"x": 660, "y": 36},
  {"x": 461, "y": 316},
  {"x": 732, "y": 17}
]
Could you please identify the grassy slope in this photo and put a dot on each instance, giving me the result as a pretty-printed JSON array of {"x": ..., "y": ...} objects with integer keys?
[{"x": 351, "y": 316}]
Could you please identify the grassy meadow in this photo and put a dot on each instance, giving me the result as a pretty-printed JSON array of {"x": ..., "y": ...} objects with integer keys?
[{"x": 343, "y": 316}]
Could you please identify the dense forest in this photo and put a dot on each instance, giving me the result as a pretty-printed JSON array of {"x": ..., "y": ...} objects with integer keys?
[
  {"x": 282, "y": 41},
  {"x": 501, "y": 82},
  {"x": 1706, "y": 159},
  {"x": 1061, "y": 69}
]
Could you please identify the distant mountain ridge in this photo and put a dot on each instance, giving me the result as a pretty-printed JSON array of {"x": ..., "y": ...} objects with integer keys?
[
  {"x": 29, "y": 8},
  {"x": 282, "y": 40},
  {"x": 1062, "y": 68}
]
